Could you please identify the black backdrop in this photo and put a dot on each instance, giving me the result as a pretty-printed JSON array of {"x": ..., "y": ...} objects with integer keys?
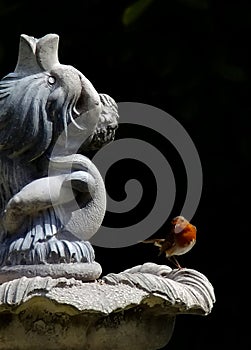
[{"x": 191, "y": 59}]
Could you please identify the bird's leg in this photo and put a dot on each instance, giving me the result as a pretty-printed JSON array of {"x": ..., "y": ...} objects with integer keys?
[{"x": 174, "y": 261}]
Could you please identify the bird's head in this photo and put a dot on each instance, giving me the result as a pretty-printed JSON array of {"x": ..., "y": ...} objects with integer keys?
[{"x": 179, "y": 223}]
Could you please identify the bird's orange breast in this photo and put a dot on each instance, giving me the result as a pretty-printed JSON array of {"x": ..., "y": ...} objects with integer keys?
[{"x": 186, "y": 236}]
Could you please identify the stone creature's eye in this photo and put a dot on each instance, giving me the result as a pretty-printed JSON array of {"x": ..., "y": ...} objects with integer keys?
[{"x": 51, "y": 80}]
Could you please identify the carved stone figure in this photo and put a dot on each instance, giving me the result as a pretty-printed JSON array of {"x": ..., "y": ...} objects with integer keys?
[{"x": 52, "y": 197}]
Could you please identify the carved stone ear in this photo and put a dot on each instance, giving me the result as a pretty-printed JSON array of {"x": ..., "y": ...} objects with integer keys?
[
  {"x": 27, "y": 63},
  {"x": 37, "y": 55},
  {"x": 47, "y": 51}
]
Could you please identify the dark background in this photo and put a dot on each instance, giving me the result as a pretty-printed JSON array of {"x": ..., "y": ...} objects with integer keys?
[{"x": 190, "y": 58}]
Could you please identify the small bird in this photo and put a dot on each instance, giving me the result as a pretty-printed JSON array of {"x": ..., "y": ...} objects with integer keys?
[{"x": 180, "y": 239}]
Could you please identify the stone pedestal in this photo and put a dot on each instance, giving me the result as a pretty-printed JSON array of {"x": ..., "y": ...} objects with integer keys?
[{"x": 133, "y": 309}]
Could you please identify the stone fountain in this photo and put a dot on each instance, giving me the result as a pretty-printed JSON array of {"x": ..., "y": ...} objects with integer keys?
[{"x": 52, "y": 201}]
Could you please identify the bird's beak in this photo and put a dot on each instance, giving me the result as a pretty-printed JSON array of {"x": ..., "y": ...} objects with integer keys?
[{"x": 178, "y": 228}]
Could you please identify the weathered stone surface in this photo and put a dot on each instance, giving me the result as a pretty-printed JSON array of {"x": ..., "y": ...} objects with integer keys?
[
  {"x": 79, "y": 271},
  {"x": 135, "y": 308}
]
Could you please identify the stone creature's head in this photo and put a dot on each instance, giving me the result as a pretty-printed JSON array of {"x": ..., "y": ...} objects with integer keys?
[{"x": 43, "y": 99}]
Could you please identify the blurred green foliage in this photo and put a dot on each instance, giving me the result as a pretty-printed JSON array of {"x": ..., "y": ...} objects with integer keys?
[{"x": 134, "y": 11}]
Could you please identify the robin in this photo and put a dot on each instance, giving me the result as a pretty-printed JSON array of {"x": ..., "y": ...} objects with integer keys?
[{"x": 180, "y": 239}]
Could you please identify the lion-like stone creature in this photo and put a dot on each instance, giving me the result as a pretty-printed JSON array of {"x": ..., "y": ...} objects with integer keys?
[{"x": 52, "y": 197}]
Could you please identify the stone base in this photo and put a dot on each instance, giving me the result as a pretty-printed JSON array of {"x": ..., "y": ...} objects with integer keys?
[
  {"x": 42, "y": 325},
  {"x": 80, "y": 271},
  {"x": 134, "y": 309}
]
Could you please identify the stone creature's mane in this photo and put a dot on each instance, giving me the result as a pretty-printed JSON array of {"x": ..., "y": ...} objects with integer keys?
[
  {"x": 30, "y": 119},
  {"x": 25, "y": 126}
]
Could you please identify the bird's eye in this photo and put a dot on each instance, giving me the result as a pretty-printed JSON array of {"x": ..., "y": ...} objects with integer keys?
[{"x": 51, "y": 80}]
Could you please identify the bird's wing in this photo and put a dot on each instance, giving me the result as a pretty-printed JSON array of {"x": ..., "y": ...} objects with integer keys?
[{"x": 168, "y": 243}]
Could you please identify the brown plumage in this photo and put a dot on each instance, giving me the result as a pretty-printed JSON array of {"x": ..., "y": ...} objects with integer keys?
[{"x": 180, "y": 239}]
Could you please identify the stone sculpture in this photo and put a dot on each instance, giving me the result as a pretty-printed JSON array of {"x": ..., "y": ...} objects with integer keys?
[
  {"x": 50, "y": 116},
  {"x": 52, "y": 200}
]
